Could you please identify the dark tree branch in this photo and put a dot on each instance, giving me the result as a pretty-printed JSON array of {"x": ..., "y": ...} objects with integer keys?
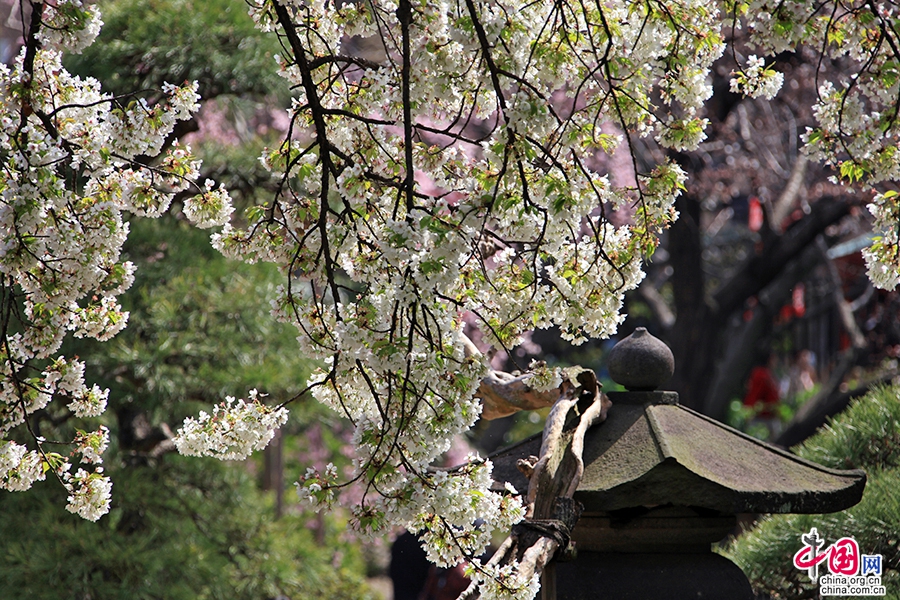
[
  {"x": 830, "y": 400},
  {"x": 763, "y": 268}
]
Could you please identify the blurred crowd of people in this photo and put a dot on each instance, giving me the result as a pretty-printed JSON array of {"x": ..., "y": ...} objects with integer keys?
[{"x": 773, "y": 381}]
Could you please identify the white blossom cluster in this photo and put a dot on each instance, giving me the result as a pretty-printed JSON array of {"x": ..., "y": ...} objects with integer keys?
[
  {"x": 69, "y": 179},
  {"x": 233, "y": 431},
  {"x": 89, "y": 493},
  {"x": 883, "y": 257},
  {"x": 58, "y": 32},
  {"x": 212, "y": 208},
  {"x": 19, "y": 467},
  {"x": 92, "y": 445},
  {"x": 506, "y": 582},
  {"x": 456, "y": 517},
  {"x": 456, "y": 522},
  {"x": 858, "y": 129},
  {"x": 318, "y": 489},
  {"x": 544, "y": 378},
  {"x": 757, "y": 80}
]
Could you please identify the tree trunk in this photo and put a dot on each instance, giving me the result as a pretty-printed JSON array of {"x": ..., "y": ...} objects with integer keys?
[
  {"x": 693, "y": 337},
  {"x": 273, "y": 471},
  {"x": 711, "y": 343},
  {"x": 551, "y": 513}
]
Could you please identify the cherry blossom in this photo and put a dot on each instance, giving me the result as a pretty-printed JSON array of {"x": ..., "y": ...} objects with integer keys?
[
  {"x": 446, "y": 181},
  {"x": 74, "y": 166}
]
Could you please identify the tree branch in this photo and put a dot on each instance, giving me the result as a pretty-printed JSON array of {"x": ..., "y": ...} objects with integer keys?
[
  {"x": 657, "y": 304},
  {"x": 763, "y": 268},
  {"x": 504, "y": 394},
  {"x": 553, "y": 479},
  {"x": 782, "y": 206}
]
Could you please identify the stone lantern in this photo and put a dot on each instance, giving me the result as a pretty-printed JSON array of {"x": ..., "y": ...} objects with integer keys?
[{"x": 662, "y": 483}]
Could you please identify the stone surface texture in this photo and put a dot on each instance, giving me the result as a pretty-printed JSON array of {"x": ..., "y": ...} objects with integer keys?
[{"x": 641, "y": 362}]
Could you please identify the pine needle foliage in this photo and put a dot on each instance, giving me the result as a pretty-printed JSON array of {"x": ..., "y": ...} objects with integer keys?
[
  {"x": 185, "y": 529},
  {"x": 866, "y": 436}
]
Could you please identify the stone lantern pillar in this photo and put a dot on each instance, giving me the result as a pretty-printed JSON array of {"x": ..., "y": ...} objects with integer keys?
[{"x": 663, "y": 482}]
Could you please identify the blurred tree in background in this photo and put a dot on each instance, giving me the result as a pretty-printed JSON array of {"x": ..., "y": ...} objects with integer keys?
[{"x": 200, "y": 331}]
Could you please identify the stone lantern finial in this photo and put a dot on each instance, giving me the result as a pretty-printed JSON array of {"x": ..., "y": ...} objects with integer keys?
[{"x": 641, "y": 362}]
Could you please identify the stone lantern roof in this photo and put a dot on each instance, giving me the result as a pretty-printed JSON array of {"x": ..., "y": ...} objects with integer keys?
[
  {"x": 651, "y": 451},
  {"x": 662, "y": 482}
]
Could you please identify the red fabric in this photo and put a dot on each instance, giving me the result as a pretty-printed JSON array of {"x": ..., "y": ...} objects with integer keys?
[
  {"x": 756, "y": 216},
  {"x": 761, "y": 389}
]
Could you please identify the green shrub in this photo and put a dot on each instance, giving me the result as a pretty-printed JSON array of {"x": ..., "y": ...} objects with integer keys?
[{"x": 867, "y": 436}]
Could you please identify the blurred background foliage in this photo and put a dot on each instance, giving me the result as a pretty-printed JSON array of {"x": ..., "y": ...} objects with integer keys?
[
  {"x": 182, "y": 528},
  {"x": 214, "y": 42}
]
